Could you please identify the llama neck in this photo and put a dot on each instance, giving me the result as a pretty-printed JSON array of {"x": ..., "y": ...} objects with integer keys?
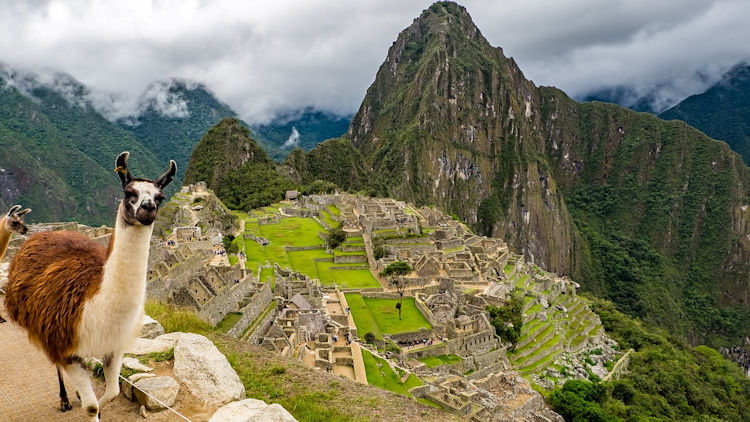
[
  {"x": 127, "y": 263},
  {"x": 4, "y": 238}
]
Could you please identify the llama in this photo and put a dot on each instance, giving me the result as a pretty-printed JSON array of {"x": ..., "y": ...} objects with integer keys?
[
  {"x": 11, "y": 222},
  {"x": 79, "y": 299}
]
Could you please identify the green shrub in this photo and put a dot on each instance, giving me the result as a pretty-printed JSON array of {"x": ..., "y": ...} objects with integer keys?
[{"x": 369, "y": 338}]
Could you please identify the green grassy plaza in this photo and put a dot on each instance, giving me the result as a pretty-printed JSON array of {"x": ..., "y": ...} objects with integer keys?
[
  {"x": 297, "y": 232},
  {"x": 380, "y": 316},
  {"x": 433, "y": 361}
]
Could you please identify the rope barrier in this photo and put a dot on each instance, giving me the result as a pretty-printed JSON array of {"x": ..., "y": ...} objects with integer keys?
[{"x": 148, "y": 394}]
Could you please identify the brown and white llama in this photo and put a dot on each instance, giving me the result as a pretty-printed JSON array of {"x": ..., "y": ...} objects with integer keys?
[
  {"x": 79, "y": 299},
  {"x": 12, "y": 222}
]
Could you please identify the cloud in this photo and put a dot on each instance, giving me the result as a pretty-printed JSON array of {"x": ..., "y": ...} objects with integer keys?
[
  {"x": 293, "y": 139},
  {"x": 264, "y": 58}
]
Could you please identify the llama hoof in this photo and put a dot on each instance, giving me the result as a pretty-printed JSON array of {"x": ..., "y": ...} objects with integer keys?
[{"x": 65, "y": 405}]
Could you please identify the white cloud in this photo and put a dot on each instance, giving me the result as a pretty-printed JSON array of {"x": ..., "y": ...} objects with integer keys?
[
  {"x": 293, "y": 139},
  {"x": 265, "y": 57}
]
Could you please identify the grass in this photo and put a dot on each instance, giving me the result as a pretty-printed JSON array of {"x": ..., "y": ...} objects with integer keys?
[
  {"x": 259, "y": 319},
  {"x": 157, "y": 357},
  {"x": 334, "y": 210},
  {"x": 433, "y": 361},
  {"x": 228, "y": 322},
  {"x": 508, "y": 268},
  {"x": 380, "y": 374},
  {"x": 233, "y": 260},
  {"x": 379, "y": 316},
  {"x": 355, "y": 278},
  {"x": 363, "y": 319},
  {"x": 173, "y": 318},
  {"x": 326, "y": 217},
  {"x": 293, "y": 231}
]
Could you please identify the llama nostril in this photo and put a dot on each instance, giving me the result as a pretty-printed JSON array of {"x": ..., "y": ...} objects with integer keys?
[{"x": 148, "y": 206}]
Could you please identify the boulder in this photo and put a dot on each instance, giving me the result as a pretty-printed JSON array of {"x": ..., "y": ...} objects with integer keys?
[
  {"x": 127, "y": 388},
  {"x": 151, "y": 328},
  {"x": 144, "y": 346},
  {"x": 163, "y": 388},
  {"x": 205, "y": 371},
  {"x": 252, "y": 410},
  {"x": 133, "y": 363}
]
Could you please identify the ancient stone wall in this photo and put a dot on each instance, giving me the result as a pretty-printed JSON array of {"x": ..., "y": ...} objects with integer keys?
[{"x": 258, "y": 303}]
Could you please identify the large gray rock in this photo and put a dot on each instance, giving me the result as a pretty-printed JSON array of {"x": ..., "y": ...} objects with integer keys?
[
  {"x": 252, "y": 410},
  {"x": 205, "y": 371},
  {"x": 144, "y": 346},
  {"x": 151, "y": 328},
  {"x": 127, "y": 387},
  {"x": 163, "y": 388}
]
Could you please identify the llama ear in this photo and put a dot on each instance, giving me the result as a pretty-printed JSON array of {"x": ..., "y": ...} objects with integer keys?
[
  {"x": 13, "y": 209},
  {"x": 121, "y": 168},
  {"x": 165, "y": 178},
  {"x": 24, "y": 212}
]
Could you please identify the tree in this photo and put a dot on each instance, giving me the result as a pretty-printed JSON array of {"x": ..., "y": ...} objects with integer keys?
[
  {"x": 395, "y": 273},
  {"x": 336, "y": 237}
]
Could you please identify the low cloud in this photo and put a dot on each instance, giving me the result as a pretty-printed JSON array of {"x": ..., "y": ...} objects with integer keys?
[
  {"x": 293, "y": 139},
  {"x": 262, "y": 59}
]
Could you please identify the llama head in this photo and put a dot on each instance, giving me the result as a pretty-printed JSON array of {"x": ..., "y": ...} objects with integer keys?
[
  {"x": 14, "y": 220},
  {"x": 142, "y": 197}
]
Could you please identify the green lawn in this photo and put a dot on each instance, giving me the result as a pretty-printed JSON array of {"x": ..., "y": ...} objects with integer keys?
[
  {"x": 380, "y": 374},
  {"x": 381, "y": 316},
  {"x": 334, "y": 210},
  {"x": 326, "y": 217},
  {"x": 386, "y": 315},
  {"x": 433, "y": 361},
  {"x": 293, "y": 231},
  {"x": 304, "y": 261},
  {"x": 363, "y": 319},
  {"x": 228, "y": 322}
]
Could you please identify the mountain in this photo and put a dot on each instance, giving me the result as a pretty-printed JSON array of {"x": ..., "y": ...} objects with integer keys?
[
  {"x": 303, "y": 128},
  {"x": 722, "y": 111},
  {"x": 650, "y": 214},
  {"x": 232, "y": 163},
  {"x": 171, "y": 118},
  {"x": 626, "y": 97},
  {"x": 54, "y": 144}
]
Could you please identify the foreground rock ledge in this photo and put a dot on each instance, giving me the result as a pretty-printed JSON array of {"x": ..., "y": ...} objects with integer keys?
[
  {"x": 206, "y": 373},
  {"x": 252, "y": 410}
]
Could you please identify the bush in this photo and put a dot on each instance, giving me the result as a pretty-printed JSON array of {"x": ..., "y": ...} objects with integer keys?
[
  {"x": 379, "y": 252},
  {"x": 336, "y": 237},
  {"x": 508, "y": 319},
  {"x": 369, "y": 338},
  {"x": 390, "y": 346}
]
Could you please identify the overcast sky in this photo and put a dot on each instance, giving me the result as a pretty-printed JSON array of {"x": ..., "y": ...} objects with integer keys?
[{"x": 262, "y": 57}]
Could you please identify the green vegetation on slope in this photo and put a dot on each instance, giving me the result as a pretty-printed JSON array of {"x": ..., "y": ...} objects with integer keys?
[{"x": 666, "y": 380}]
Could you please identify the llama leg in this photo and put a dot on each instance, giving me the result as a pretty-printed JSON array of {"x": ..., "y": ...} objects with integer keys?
[
  {"x": 78, "y": 379},
  {"x": 112, "y": 365},
  {"x": 64, "y": 402}
]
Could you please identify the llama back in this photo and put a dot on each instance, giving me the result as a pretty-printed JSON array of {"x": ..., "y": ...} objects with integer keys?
[{"x": 49, "y": 280}]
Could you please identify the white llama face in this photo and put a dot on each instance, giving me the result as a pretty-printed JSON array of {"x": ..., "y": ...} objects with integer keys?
[{"x": 141, "y": 202}]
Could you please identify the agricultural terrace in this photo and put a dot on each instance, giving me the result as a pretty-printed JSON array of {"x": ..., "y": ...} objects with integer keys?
[
  {"x": 380, "y": 374},
  {"x": 380, "y": 316},
  {"x": 298, "y": 232}
]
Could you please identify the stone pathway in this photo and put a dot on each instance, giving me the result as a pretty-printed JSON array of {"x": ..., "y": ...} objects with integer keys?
[{"x": 28, "y": 381}]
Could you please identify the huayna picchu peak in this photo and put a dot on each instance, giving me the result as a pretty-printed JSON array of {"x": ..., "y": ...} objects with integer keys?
[{"x": 647, "y": 213}]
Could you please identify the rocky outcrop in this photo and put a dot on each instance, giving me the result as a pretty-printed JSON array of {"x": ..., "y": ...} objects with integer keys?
[
  {"x": 205, "y": 371},
  {"x": 164, "y": 389},
  {"x": 151, "y": 328},
  {"x": 252, "y": 410}
]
